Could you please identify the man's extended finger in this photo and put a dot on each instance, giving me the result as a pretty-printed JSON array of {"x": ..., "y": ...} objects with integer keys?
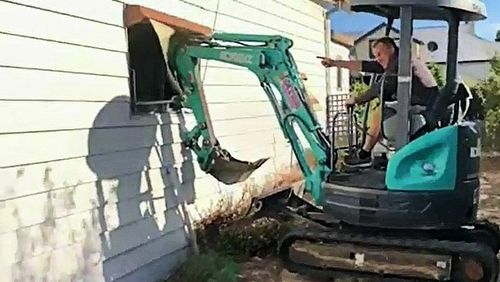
[{"x": 319, "y": 57}]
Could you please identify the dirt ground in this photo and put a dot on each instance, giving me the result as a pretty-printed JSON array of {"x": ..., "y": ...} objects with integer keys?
[
  {"x": 271, "y": 270},
  {"x": 490, "y": 185}
]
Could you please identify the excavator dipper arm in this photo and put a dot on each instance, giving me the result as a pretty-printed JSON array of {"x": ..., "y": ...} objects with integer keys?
[{"x": 269, "y": 58}]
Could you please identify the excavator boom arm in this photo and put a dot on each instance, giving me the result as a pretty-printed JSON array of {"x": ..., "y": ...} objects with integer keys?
[{"x": 269, "y": 58}]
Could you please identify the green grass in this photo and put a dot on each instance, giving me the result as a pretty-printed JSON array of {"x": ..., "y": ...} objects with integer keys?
[{"x": 208, "y": 267}]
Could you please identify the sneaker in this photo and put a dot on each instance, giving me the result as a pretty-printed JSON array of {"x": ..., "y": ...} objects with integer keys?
[{"x": 354, "y": 160}]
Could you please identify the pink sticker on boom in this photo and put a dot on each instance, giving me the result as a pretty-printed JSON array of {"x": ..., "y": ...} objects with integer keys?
[{"x": 291, "y": 93}]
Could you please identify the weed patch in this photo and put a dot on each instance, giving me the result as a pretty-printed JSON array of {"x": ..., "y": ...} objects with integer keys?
[
  {"x": 226, "y": 237},
  {"x": 209, "y": 267}
]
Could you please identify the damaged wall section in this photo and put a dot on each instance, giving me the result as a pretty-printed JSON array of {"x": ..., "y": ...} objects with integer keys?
[{"x": 153, "y": 38}]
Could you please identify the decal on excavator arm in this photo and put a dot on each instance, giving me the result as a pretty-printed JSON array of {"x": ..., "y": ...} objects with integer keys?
[
  {"x": 291, "y": 93},
  {"x": 235, "y": 57}
]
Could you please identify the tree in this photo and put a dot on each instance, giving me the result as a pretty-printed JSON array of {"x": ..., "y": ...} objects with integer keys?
[
  {"x": 437, "y": 73},
  {"x": 498, "y": 36},
  {"x": 489, "y": 92}
]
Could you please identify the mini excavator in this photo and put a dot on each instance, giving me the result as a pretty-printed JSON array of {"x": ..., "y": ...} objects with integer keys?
[{"x": 414, "y": 220}]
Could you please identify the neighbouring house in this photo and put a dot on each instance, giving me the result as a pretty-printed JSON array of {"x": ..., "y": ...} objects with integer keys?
[
  {"x": 97, "y": 188},
  {"x": 474, "y": 52},
  {"x": 362, "y": 42}
]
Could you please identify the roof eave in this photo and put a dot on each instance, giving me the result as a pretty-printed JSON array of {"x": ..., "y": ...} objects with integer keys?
[{"x": 331, "y": 4}]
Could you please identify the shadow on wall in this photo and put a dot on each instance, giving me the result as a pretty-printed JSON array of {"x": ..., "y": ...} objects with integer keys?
[
  {"x": 137, "y": 207},
  {"x": 144, "y": 224},
  {"x": 126, "y": 188}
]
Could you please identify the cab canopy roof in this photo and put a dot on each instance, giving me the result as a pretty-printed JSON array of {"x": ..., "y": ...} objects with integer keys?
[{"x": 463, "y": 10}]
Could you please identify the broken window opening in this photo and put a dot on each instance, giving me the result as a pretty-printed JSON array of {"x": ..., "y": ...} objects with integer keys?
[{"x": 153, "y": 38}]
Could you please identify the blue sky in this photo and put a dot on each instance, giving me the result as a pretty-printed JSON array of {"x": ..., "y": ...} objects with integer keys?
[{"x": 362, "y": 22}]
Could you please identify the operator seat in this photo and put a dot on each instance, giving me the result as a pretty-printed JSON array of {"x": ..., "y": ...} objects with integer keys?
[
  {"x": 446, "y": 110},
  {"x": 417, "y": 121}
]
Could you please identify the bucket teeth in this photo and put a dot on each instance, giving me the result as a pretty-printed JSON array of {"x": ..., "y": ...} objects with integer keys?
[{"x": 230, "y": 170}]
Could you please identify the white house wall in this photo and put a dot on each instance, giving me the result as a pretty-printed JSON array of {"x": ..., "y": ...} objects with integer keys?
[
  {"x": 473, "y": 72},
  {"x": 91, "y": 193},
  {"x": 339, "y": 52}
]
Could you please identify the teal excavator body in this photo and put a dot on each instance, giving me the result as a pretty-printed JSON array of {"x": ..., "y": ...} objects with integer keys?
[
  {"x": 419, "y": 203},
  {"x": 426, "y": 164}
]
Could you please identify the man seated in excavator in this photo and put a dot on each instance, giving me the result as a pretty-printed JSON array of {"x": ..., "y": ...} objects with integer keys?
[{"x": 424, "y": 86}]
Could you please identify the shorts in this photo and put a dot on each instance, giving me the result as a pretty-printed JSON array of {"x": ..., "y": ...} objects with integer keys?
[{"x": 375, "y": 119}]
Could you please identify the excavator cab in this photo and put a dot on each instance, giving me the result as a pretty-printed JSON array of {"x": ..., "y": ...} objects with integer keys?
[
  {"x": 432, "y": 176},
  {"x": 455, "y": 96}
]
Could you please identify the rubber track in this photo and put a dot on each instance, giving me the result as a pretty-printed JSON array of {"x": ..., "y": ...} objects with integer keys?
[
  {"x": 494, "y": 231},
  {"x": 479, "y": 251}
]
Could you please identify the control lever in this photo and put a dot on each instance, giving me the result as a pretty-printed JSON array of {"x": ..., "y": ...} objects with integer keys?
[
  {"x": 351, "y": 135},
  {"x": 350, "y": 127}
]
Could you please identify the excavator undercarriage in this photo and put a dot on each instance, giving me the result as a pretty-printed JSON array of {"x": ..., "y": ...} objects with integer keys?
[
  {"x": 405, "y": 255},
  {"x": 324, "y": 247}
]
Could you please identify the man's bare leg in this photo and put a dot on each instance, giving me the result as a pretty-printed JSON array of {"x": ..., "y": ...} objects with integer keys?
[
  {"x": 373, "y": 134},
  {"x": 363, "y": 158},
  {"x": 371, "y": 141}
]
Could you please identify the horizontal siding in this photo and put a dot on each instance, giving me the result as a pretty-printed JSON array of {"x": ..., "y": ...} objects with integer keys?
[
  {"x": 81, "y": 202},
  {"x": 30, "y": 179},
  {"x": 116, "y": 114},
  {"x": 234, "y": 24},
  {"x": 60, "y": 57},
  {"x": 106, "y": 12},
  {"x": 66, "y": 203},
  {"x": 284, "y": 10},
  {"x": 83, "y": 143},
  {"x": 280, "y": 20},
  {"x": 81, "y": 261},
  {"x": 57, "y": 86},
  {"x": 303, "y": 6},
  {"x": 129, "y": 235},
  {"x": 154, "y": 270},
  {"x": 20, "y": 150},
  {"x": 19, "y": 181},
  {"x": 49, "y": 26},
  {"x": 103, "y": 187},
  {"x": 135, "y": 259},
  {"x": 35, "y": 182}
]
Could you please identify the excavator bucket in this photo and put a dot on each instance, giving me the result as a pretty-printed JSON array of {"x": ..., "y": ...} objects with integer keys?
[{"x": 229, "y": 170}]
